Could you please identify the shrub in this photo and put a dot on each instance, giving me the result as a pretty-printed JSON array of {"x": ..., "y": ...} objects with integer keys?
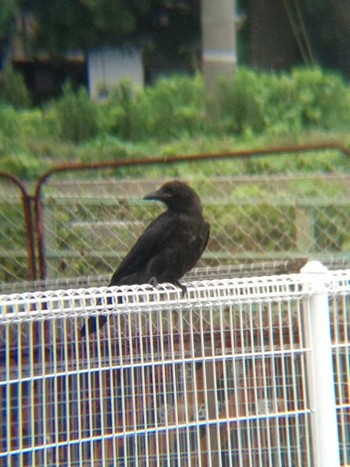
[
  {"x": 177, "y": 106},
  {"x": 322, "y": 98},
  {"x": 119, "y": 110},
  {"x": 242, "y": 102},
  {"x": 10, "y": 129},
  {"x": 307, "y": 98},
  {"x": 13, "y": 90},
  {"x": 23, "y": 165},
  {"x": 77, "y": 115},
  {"x": 171, "y": 108}
]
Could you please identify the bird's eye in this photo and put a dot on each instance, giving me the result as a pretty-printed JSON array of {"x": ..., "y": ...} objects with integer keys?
[{"x": 171, "y": 192}]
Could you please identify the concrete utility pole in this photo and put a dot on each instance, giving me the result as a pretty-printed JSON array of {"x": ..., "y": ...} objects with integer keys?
[{"x": 218, "y": 42}]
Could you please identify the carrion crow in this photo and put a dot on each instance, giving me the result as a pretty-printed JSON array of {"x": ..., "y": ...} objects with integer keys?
[{"x": 169, "y": 247}]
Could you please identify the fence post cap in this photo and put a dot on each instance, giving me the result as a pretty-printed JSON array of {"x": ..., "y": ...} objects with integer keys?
[{"x": 314, "y": 267}]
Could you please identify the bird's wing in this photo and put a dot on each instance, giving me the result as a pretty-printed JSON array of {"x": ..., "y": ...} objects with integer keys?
[
  {"x": 154, "y": 238},
  {"x": 207, "y": 238}
]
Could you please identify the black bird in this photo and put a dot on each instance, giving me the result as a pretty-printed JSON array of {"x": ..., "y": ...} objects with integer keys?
[{"x": 169, "y": 247}]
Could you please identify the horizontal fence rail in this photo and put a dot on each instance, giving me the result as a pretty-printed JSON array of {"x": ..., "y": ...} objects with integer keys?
[{"x": 225, "y": 375}]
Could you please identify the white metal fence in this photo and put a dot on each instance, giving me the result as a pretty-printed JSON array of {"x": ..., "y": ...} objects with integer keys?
[{"x": 239, "y": 372}]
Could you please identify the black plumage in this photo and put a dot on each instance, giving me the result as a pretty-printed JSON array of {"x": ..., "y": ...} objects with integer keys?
[{"x": 169, "y": 247}]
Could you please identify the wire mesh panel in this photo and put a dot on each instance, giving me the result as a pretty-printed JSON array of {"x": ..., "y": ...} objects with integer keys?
[
  {"x": 218, "y": 377},
  {"x": 340, "y": 306},
  {"x": 89, "y": 226}
]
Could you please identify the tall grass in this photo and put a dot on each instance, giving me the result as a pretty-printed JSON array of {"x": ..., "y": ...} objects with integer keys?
[{"x": 170, "y": 116}]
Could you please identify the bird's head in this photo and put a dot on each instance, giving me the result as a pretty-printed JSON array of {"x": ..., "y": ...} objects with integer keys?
[{"x": 177, "y": 196}]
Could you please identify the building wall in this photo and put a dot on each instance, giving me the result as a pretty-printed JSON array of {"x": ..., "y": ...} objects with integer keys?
[{"x": 107, "y": 67}]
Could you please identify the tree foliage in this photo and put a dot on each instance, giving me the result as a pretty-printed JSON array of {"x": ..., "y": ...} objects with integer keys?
[
  {"x": 171, "y": 27},
  {"x": 85, "y": 24},
  {"x": 8, "y": 8}
]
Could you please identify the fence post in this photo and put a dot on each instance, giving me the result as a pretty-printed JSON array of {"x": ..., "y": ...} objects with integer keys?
[
  {"x": 28, "y": 221},
  {"x": 304, "y": 228},
  {"x": 325, "y": 442}
]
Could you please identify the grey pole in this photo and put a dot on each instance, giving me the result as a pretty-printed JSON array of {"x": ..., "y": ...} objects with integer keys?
[{"x": 218, "y": 43}]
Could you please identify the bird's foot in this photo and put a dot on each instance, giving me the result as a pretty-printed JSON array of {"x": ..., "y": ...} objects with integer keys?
[
  {"x": 182, "y": 287},
  {"x": 153, "y": 281}
]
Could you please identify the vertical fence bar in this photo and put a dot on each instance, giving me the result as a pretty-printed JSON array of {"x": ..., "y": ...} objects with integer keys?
[
  {"x": 28, "y": 219},
  {"x": 28, "y": 222},
  {"x": 325, "y": 442}
]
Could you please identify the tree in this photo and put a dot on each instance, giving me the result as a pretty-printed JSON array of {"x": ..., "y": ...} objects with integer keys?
[
  {"x": 84, "y": 24},
  {"x": 8, "y": 9},
  {"x": 63, "y": 25},
  {"x": 272, "y": 40},
  {"x": 328, "y": 23},
  {"x": 289, "y": 32}
]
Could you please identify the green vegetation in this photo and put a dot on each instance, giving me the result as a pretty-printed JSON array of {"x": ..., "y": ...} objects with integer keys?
[
  {"x": 169, "y": 118},
  {"x": 13, "y": 89},
  {"x": 256, "y": 109}
]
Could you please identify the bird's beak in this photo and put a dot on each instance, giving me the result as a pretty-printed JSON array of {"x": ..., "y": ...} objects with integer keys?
[{"x": 155, "y": 195}]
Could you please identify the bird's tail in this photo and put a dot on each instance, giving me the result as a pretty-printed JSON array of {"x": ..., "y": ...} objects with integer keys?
[
  {"x": 94, "y": 323},
  {"x": 91, "y": 326}
]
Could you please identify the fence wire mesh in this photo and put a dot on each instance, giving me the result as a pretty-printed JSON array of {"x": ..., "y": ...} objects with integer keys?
[
  {"x": 89, "y": 226},
  {"x": 218, "y": 377},
  {"x": 86, "y": 220}
]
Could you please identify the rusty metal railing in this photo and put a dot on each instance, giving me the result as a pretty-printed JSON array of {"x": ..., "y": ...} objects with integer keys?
[
  {"x": 28, "y": 221},
  {"x": 33, "y": 207}
]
